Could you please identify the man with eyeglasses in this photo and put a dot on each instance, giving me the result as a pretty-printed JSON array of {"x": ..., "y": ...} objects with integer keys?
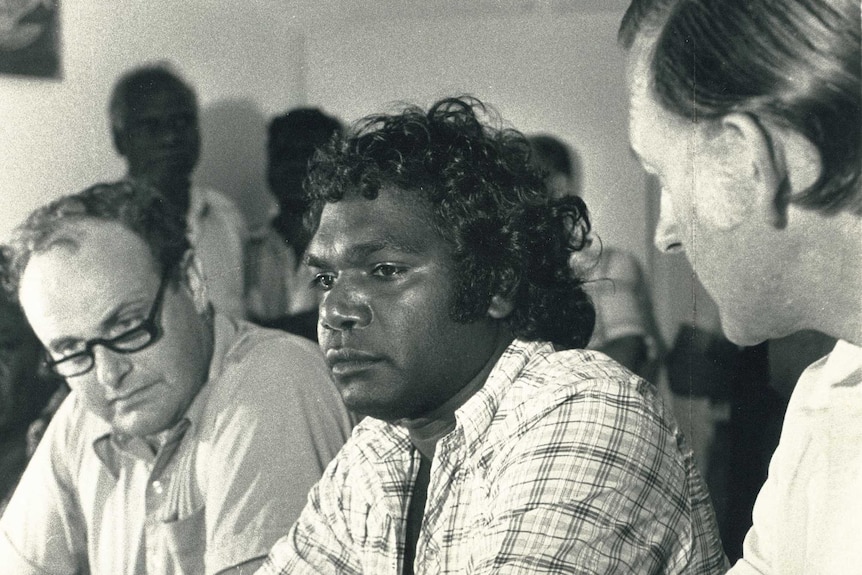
[{"x": 190, "y": 440}]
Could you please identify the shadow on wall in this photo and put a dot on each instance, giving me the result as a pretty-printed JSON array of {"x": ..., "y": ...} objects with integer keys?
[{"x": 233, "y": 156}]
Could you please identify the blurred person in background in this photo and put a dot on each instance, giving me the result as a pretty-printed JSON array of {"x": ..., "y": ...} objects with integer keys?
[
  {"x": 26, "y": 388},
  {"x": 154, "y": 124},
  {"x": 626, "y": 329},
  {"x": 279, "y": 292}
]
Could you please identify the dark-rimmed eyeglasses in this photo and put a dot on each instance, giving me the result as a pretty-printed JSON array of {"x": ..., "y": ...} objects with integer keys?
[{"x": 139, "y": 337}]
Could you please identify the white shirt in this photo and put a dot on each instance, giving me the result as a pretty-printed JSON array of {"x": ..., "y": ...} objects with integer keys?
[
  {"x": 808, "y": 515},
  {"x": 218, "y": 233},
  {"x": 230, "y": 479}
]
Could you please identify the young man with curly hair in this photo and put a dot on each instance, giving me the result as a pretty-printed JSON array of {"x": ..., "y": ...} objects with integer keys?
[{"x": 451, "y": 317}]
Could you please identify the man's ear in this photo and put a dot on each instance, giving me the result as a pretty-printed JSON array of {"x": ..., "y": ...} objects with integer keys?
[
  {"x": 193, "y": 280},
  {"x": 500, "y": 307},
  {"x": 780, "y": 163}
]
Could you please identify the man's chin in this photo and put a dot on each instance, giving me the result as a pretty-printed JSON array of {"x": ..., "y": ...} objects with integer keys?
[
  {"x": 169, "y": 172},
  {"x": 743, "y": 334},
  {"x": 137, "y": 426}
]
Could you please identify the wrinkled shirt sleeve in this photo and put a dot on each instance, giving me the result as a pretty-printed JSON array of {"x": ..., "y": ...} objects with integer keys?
[{"x": 320, "y": 542}]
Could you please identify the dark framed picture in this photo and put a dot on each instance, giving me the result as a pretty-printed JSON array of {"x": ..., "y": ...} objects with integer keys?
[{"x": 30, "y": 38}]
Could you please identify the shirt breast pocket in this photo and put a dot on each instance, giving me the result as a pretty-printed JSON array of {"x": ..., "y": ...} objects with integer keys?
[{"x": 180, "y": 545}]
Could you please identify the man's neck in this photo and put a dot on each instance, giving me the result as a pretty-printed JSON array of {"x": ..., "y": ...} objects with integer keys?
[
  {"x": 425, "y": 431},
  {"x": 176, "y": 189},
  {"x": 834, "y": 298}
]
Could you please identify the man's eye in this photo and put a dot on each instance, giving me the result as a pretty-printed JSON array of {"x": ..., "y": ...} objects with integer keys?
[
  {"x": 64, "y": 354},
  {"x": 323, "y": 281},
  {"x": 124, "y": 325},
  {"x": 387, "y": 270}
]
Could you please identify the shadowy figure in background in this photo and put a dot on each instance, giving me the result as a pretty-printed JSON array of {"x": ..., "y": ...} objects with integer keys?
[
  {"x": 626, "y": 329},
  {"x": 154, "y": 121},
  {"x": 279, "y": 282},
  {"x": 756, "y": 136},
  {"x": 25, "y": 389}
]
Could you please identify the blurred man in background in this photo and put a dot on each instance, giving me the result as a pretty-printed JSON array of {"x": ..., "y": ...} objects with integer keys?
[
  {"x": 279, "y": 283},
  {"x": 154, "y": 124}
]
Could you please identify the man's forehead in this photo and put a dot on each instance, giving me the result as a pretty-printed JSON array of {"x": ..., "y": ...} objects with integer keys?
[
  {"x": 65, "y": 289},
  {"x": 156, "y": 99},
  {"x": 95, "y": 244},
  {"x": 396, "y": 220},
  {"x": 641, "y": 104}
]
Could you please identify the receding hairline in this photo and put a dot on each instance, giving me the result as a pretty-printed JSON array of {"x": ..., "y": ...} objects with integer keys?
[{"x": 71, "y": 234}]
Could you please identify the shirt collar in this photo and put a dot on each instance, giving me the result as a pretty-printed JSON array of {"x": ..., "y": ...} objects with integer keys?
[
  {"x": 473, "y": 418},
  {"x": 199, "y": 203},
  {"x": 477, "y": 414}
]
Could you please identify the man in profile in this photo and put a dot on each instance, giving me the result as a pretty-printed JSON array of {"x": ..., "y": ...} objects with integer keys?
[
  {"x": 750, "y": 114},
  {"x": 190, "y": 439},
  {"x": 154, "y": 123},
  {"x": 446, "y": 290}
]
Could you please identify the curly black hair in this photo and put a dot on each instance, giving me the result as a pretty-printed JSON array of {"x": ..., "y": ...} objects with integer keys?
[
  {"x": 136, "y": 206},
  {"x": 508, "y": 235}
]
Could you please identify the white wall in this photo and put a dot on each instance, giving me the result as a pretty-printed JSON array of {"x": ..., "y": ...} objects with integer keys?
[
  {"x": 54, "y": 136},
  {"x": 545, "y": 65},
  {"x": 545, "y": 72},
  {"x": 544, "y": 69}
]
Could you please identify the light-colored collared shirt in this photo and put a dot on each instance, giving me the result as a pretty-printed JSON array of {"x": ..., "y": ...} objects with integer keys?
[
  {"x": 218, "y": 233},
  {"x": 808, "y": 515},
  {"x": 229, "y": 479},
  {"x": 562, "y": 463},
  {"x": 278, "y": 281}
]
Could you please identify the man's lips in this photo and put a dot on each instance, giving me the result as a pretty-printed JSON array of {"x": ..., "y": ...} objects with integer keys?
[
  {"x": 131, "y": 396},
  {"x": 343, "y": 361}
]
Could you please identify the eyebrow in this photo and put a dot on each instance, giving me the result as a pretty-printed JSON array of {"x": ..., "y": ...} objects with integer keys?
[{"x": 359, "y": 252}]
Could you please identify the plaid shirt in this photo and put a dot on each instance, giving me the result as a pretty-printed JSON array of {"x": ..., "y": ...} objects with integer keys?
[{"x": 562, "y": 463}]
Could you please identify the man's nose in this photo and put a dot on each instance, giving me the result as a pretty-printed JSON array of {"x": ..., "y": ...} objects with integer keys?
[
  {"x": 667, "y": 238},
  {"x": 174, "y": 128},
  {"x": 344, "y": 307},
  {"x": 111, "y": 367}
]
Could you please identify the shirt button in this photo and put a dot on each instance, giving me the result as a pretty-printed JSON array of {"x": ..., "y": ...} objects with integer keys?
[{"x": 157, "y": 487}]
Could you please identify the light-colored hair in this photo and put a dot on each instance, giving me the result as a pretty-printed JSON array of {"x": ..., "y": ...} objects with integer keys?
[{"x": 795, "y": 63}]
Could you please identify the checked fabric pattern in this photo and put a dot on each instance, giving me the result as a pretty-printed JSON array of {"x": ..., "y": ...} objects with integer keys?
[{"x": 564, "y": 462}]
